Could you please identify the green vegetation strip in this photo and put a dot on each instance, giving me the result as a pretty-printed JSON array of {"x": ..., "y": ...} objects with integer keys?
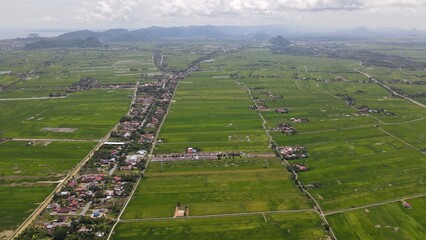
[
  {"x": 214, "y": 187},
  {"x": 29, "y": 173},
  {"x": 390, "y": 221},
  {"x": 270, "y": 226}
]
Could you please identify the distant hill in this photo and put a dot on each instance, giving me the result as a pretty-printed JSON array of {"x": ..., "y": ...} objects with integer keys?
[
  {"x": 280, "y": 41},
  {"x": 148, "y": 34},
  {"x": 259, "y": 33},
  {"x": 261, "y": 36},
  {"x": 90, "y": 42},
  {"x": 106, "y": 36},
  {"x": 158, "y": 33}
]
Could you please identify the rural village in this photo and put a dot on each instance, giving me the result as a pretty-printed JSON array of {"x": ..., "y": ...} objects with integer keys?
[{"x": 89, "y": 202}]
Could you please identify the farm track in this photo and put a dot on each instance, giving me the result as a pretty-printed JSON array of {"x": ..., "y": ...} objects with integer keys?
[
  {"x": 317, "y": 207},
  {"x": 31, "y": 98},
  {"x": 240, "y": 141},
  {"x": 390, "y": 90},
  {"x": 74, "y": 172},
  {"x": 360, "y": 127},
  {"x": 217, "y": 215},
  {"x": 51, "y": 140},
  {"x": 399, "y": 139},
  {"x": 375, "y": 204}
]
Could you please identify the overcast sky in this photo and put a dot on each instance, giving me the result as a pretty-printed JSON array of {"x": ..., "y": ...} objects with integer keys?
[{"x": 103, "y": 14}]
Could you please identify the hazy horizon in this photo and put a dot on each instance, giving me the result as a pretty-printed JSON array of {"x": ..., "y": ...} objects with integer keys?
[{"x": 134, "y": 14}]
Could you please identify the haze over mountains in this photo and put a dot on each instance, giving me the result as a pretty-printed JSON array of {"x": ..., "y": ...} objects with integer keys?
[{"x": 87, "y": 38}]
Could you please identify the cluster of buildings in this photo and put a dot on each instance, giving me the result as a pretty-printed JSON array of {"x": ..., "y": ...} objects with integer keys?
[
  {"x": 85, "y": 83},
  {"x": 91, "y": 198},
  {"x": 285, "y": 128},
  {"x": 281, "y": 110},
  {"x": 298, "y": 167},
  {"x": 299, "y": 120},
  {"x": 364, "y": 109},
  {"x": 195, "y": 154},
  {"x": 5, "y": 139},
  {"x": 293, "y": 152},
  {"x": 108, "y": 177},
  {"x": 101, "y": 185}
]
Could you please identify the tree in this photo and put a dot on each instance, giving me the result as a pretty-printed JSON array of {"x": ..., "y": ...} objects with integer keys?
[{"x": 60, "y": 233}]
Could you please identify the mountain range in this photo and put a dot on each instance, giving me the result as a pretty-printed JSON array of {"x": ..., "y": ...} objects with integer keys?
[{"x": 87, "y": 38}]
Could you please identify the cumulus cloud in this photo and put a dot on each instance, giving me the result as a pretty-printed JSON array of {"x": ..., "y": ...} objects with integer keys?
[
  {"x": 131, "y": 10},
  {"x": 109, "y": 10},
  {"x": 231, "y": 7},
  {"x": 248, "y": 7}
]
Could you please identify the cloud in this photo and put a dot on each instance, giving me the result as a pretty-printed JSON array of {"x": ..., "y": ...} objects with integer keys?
[
  {"x": 108, "y": 10},
  {"x": 320, "y": 5},
  {"x": 46, "y": 19},
  {"x": 230, "y": 7},
  {"x": 179, "y": 11}
]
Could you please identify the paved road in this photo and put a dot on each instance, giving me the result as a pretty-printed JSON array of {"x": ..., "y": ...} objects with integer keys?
[
  {"x": 111, "y": 172},
  {"x": 147, "y": 162},
  {"x": 375, "y": 204},
  {"x": 85, "y": 208}
]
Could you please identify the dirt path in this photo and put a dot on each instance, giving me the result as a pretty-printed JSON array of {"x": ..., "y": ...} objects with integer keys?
[
  {"x": 399, "y": 139},
  {"x": 219, "y": 215},
  {"x": 51, "y": 140},
  {"x": 31, "y": 98},
  {"x": 389, "y": 89},
  {"x": 375, "y": 204},
  {"x": 296, "y": 176}
]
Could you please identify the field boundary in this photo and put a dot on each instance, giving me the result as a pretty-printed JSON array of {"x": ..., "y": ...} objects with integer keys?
[
  {"x": 375, "y": 204},
  {"x": 317, "y": 207},
  {"x": 218, "y": 215},
  {"x": 389, "y": 89},
  {"x": 30, "y": 219}
]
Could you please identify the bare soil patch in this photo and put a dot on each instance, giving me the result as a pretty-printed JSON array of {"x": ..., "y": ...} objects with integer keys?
[
  {"x": 63, "y": 130},
  {"x": 5, "y": 234}
]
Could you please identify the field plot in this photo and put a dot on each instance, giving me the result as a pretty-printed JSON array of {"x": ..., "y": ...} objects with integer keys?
[
  {"x": 212, "y": 114},
  {"x": 362, "y": 166},
  {"x": 215, "y": 187},
  {"x": 29, "y": 173},
  {"x": 91, "y": 113},
  {"x": 390, "y": 221},
  {"x": 42, "y": 73},
  {"x": 353, "y": 161},
  {"x": 270, "y": 226}
]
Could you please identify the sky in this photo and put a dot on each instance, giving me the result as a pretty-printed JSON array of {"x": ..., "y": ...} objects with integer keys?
[{"x": 133, "y": 14}]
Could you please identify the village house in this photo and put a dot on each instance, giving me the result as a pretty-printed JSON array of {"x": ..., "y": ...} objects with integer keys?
[
  {"x": 292, "y": 152},
  {"x": 181, "y": 210},
  {"x": 146, "y": 138},
  {"x": 299, "y": 120},
  {"x": 281, "y": 110},
  {"x": 407, "y": 205},
  {"x": 285, "y": 128},
  {"x": 300, "y": 168}
]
